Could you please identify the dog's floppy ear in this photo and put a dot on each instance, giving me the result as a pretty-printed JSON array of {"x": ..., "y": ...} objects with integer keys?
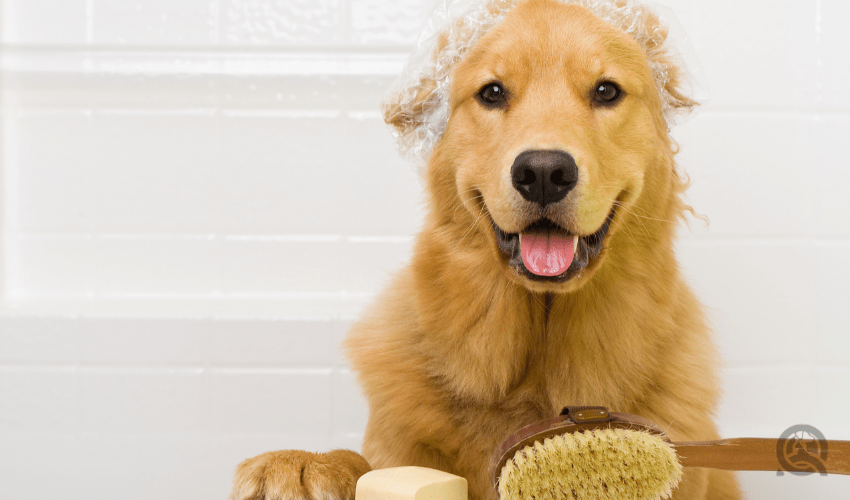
[
  {"x": 406, "y": 109},
  {"x": 405, "y": 112}
]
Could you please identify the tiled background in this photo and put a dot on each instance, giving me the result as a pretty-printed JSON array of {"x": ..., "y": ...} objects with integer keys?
[{"x": 199, "y": 195}]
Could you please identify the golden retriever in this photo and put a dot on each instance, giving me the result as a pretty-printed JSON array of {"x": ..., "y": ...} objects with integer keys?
[{"x": 545, "y": 273}]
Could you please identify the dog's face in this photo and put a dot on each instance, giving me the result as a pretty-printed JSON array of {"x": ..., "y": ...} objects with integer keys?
[{"x": 554, "y": 128}]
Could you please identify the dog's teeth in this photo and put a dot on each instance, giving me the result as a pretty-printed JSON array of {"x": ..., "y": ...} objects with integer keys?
[{"x": 575, "y": 243}]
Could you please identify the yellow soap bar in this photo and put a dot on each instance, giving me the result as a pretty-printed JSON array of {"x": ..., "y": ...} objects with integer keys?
[{"x": 410, "y": 483}]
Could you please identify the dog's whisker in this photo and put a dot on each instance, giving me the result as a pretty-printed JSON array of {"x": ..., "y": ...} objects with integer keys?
[
  {"x": 471, "y": 228},
  {"x": 481, "y": 214},
  {"x": 461, "y": 205},
  {"x": 459, "y": 195},
  {"x": 631, "y": 208},
  {"x": 647, "y": 233}
]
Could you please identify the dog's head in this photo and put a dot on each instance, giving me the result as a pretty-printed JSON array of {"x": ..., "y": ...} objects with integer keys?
[{"x": 556, "y": 140}]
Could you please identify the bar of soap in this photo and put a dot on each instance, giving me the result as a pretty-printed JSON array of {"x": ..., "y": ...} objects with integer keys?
[{"x": 410, "y": 483}]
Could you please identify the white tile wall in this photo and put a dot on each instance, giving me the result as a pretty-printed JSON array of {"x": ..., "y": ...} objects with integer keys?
[
  {"x": 128, "y": 341},
  {"x": 154, "y": 22},
  {"x": 37, "y": 340},
  {"x": 760, "y": 54},
  {"x": 283, "y": 22},
  {"x": 45, "y": 21},
  {"x": 772, "y": 282},
  {"x": 378, "y": 21},
  {"x": 260, "y": 400},
  {"x": 275, "y": 343},
  {"x": 140, "y": 400},
  {"x": 38, "y": 400},
  {"x": 199, "y": 195},
  {"x": 47, "y": 198},
  {"x": 832, "y": 67},
  {"x": 831, "y": 203}
]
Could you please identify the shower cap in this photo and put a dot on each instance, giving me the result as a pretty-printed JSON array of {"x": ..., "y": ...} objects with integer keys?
[{"x": 420, "y": 95}]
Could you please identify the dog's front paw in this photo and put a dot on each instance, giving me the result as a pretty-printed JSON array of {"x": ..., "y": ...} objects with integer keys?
[{"x": 299, "y": 475}]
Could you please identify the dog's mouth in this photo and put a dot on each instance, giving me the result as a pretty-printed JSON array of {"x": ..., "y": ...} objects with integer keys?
[{"x": 545, "y": 251}]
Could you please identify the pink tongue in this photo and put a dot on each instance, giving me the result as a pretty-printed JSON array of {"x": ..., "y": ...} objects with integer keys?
[{"x": 546, "y": 254}]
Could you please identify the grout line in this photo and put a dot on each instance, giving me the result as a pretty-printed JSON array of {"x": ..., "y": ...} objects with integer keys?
[
  {"x": 757, "y": 366},
  {"x": 150, "y": 111},
  {"x": 156, "y": 369},
  {"x": 219, "y": 25},
  {"x": 82, "y": 368},
  {"x": 369, "y": 113},
  {"x": 244, "y": 370},
  {"x": 346, "y": 21},
  {"x": 774, "y": 113},
  {"x": 286, "y": 238},
  {"x": 819, "y": 51},
  {"x": 380, "y": 239},
  {"x": 5, "y": 202},
  {"x": 218, "y": 61},
  {"x": 218, "y": 111},
  {"x": 280, "y": 113},
  {"x": 336, "y": 295},
  {"x": 89, "y": 22},
  {"x": 259, "y": 237},
  {"x": 366, "y": 113},
  {"x": 395, "y": 51},
  {"x": 203, "y": 367},
  {"x": 201, "y": 320},
  {"x": 210, "y": 112},
  {"x": 686, "y": 238},
  {"x": 732, "y": 240},
  {"x": 67, "y": 368},
  {"x": 206, "y": 392}
]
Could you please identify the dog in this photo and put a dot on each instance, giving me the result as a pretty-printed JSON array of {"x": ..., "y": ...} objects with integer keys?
[{"x": 545, "y": 273}]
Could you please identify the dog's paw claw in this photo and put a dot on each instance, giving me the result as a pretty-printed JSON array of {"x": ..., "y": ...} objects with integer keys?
[{"x": 299, "y": 475}]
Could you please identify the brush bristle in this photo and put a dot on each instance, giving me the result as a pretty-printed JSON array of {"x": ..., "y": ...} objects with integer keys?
[{"x": 610, "y": 464}]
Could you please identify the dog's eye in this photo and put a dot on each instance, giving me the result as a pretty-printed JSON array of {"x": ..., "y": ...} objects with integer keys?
[
  {"x": 606, "y": 93},
  {"x": 493, "y": 95}
]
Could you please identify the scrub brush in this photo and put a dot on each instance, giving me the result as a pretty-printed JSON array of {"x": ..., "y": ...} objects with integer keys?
[{"x": 589, "y": 453}]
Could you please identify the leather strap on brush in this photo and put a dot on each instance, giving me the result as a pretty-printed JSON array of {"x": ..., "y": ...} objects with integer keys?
[{"x": 789, "y": 455}]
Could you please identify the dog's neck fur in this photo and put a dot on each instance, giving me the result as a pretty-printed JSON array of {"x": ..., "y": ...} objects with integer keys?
[{"x": 579, "y": 347}]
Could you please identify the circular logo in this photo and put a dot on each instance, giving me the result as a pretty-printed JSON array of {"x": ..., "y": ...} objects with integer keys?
[{"x": 801, "y": 450}]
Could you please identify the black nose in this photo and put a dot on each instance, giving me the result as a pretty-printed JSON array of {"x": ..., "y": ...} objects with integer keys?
[{"x": 544, "y": 177}]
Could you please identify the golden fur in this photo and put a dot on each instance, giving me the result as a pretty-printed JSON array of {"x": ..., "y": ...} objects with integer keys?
[{"x": 461, "y": 350}]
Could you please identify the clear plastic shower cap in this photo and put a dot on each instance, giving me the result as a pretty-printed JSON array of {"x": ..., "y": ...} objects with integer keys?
[{"x": 418, "y": 100}]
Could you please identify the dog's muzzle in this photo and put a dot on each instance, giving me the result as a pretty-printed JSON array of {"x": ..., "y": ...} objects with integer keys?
[{"x": 543, "y": 262}]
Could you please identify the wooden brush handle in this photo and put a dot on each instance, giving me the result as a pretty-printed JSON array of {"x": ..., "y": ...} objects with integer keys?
[{"x": 763, "y": 454}]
